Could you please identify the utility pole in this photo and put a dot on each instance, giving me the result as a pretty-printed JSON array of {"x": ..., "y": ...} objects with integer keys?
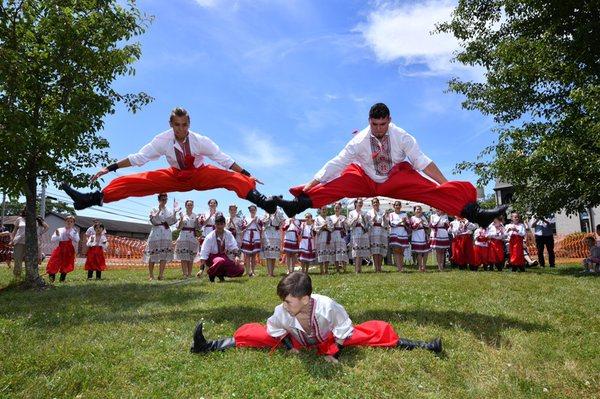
[{"x": 43, "y": 201}]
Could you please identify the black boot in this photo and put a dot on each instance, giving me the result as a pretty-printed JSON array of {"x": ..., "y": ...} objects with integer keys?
[
  {"x": 483, "y": 217},
  {"x": 201, "y": 345},
  {"x": 82, "y": 200},
  {"x": 268, "y": 204},
  {"x": 295, "y": 206},
  {"x": 435, "y": 345}
]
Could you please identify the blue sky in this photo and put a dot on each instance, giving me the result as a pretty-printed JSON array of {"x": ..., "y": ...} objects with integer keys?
[{"x": 280, "y": 85}]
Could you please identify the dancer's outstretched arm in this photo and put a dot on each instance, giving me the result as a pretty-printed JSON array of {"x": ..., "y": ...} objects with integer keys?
[
  {"x": 435, "y": 173},
  {"x": 123, "y": 163}
]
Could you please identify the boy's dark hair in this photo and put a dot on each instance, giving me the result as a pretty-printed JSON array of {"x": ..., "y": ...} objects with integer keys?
[
  {"x": 219, "y": 218},
  {"x": 296, "y": 284},
  {"x": 379, "y": 111},
  {"x": 179, "y": 112}
]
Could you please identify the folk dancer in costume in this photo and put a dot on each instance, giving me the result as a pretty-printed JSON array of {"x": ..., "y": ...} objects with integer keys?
[
  {"x": 97, "y": 244},
  {"x": 291, "y": 241},
  {"x": 251, "y": 240},
  {"x": 398, "y": 239},
  {"x": 185, "y": 152},
  {"x": 207, "y": 219},
  {"x": 323, "y": 228},
  {"x": 271, "y": 239},
  {"x": 62, "y": 259},
  {"x": 439, "y": 238},
  {"x": 186, "y": 246},
  {"x": 159, "y": 247},
  {"x": 338, "y": 238},
  {"x": 419, "y": 243},
  {"x": 235, "y": 224},
  {"x": 358, "y": 224},
  {"x": 481, "y": 250},
  {"x": 516, "y": 231},
  {"x": 496, "y": 234},
  {"x": 378, "y": 234},
  {"x": 374, "y": 163},
  {"x": 214, "y": 253},
  {"x": 462, "y": 242},
  {"x": 307, "y": 320},
  {"x": 307, "y": 243}
]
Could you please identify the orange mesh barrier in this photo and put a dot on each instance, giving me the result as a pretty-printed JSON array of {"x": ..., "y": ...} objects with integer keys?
[{"x": 569, "y": 246}]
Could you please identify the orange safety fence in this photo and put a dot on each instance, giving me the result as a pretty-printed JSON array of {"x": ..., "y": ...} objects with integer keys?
[{"x": 569, "y": 246}]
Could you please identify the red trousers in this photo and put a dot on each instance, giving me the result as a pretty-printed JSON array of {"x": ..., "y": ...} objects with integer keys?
[
  {"x": 370, "y": 333},
  {"x": 462, "y": 249},
  {"x": 515, "y": 250},
  {"x": 95, "y": 259},
  {"x": 403, "y": 183},
  {"x": 496, "y": 252},
  {"x": 62, "y": 259},
  {"x": 481, "y": 255},
  {"x": 222, "y": 266},
  {"x": 206, "y": 177}
]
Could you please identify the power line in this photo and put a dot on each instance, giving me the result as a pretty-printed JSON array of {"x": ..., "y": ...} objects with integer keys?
[
  {"x": 64, "y": 197},
  {"x": 98, "y": 209}
]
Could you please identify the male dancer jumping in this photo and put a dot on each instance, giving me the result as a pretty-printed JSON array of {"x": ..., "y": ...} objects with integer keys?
[
  {"x": 185, "y": 151},
  {"x": 374, "y": 164}
]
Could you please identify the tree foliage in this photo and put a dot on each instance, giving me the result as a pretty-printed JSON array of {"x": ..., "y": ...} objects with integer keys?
[
  {"x": 58, "y": 60},
  {"x": 14, "y": 207},
  {"x": 542, "y": 87}
]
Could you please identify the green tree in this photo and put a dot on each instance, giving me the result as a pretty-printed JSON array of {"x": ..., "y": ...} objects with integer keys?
[
  {"x": 58, "y": 59},
  {"x": 14, "y": 207},
  {"x": 542, "y": 87}
]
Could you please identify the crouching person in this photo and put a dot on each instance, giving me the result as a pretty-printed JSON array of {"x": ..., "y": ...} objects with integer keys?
[
  {"x": 307, "y": 320},
  {"x": 213, "y": 254}
]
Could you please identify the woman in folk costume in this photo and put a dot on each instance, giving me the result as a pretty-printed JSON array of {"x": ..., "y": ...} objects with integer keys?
[
  {"x": 418, "y": 241},
  {"x": 398, "y": 238},
  {"x": 338, "y": 237},
  {"x": 440, "y": 240},
  {"x": 516, "y": 231},
  {"x": 62, "y": 259},
  {"x": 207, "y": 219},
  {"x": 235, "y": 224},
  {"x": 159, "y": 247},
  {"x": 307, "y": 242},
  {"x": 462, "y": 243},
  {"x": 378, "y": 234},
  {"x": 323, "y": 228},
  {"x": 271, "y": 241},
  {"x": 496, "y": 234},
  {"x": 481, "y": 249},
  {"x": 251, "y": 242},
  {"x": 97, "y": 244},
  {"x": 291, "y": 241},
  {"x": 186, "y": 246},
  {"x": 358, "y": 223}
]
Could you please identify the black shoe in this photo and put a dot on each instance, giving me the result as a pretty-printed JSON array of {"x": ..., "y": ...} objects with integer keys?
[
  {"x": 201, "y": 345},
  {"x": 483, "y": 217},
  {"x": 82, "y": 200},
  {"x": 295, "y": 206},
  {"x": 268, "y": 204},
  {"x": 435, "y": 345}
]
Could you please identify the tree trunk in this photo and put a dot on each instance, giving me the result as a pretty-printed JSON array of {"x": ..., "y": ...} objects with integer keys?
[{"x": 32, "y": 274}]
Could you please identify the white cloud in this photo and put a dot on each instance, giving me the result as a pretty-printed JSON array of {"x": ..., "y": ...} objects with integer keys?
[
  {"x": 260, "y": 150},
  {"x": 403, "y": 33}
]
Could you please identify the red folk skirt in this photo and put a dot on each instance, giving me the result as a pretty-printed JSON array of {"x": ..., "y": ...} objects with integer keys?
[
  {"x": 95, "y": 259},
  {"x": 496, "y": 251},
  {"x": 462, "y": 249},
  {"x": 481, "y": 255},
  {"x": 515, "y": 250},
  {"x": 62, "y": 259}
]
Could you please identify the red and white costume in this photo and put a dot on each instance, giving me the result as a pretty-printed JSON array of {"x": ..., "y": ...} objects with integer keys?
[
  {"x": 358, "y": 223},
  {"x": 291, "y": 238},
  {"x": 399, "y": 226},
  {"x": 378, "y": 234},
  {"x": 329, "y": 325},
  {"x": 418, "y": 238},
  {"x": 307, "y": 243},
  {"x": 215, "y": 250},
  {"x": 235, "y": 225},
  {"x": 481, "y": 249},
  {"x": 62, "y": 259},
  {"x": 370, "y": 167},
  {"x": 516, "y": 235},
  {"x": 159, "y": 246},
  {"x": 187, "y": 169},
  {"x": 95, "y": 255},
  {"x": 251, "y": 236},
  {"x": 271, "y": 242},
  {"x": 186, "y": 246},
  {"x": 462, "y": 241},
  {"x": 207, "y": 222},
  {"x": 338, "y": 238},
  {"x": 496, "y": 235},
  {"x": 439, "y": 238},
  {"x": 323, "y": 227}
]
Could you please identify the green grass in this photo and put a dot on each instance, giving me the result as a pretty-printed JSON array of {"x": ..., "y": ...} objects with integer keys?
[{"x": 506, "y": 335}]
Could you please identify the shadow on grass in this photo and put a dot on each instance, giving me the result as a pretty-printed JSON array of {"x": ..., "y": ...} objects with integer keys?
[{"x": 485, "y": 327}]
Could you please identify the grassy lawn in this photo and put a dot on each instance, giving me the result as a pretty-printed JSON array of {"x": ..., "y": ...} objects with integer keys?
[{"x": 506, "y": 335}]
